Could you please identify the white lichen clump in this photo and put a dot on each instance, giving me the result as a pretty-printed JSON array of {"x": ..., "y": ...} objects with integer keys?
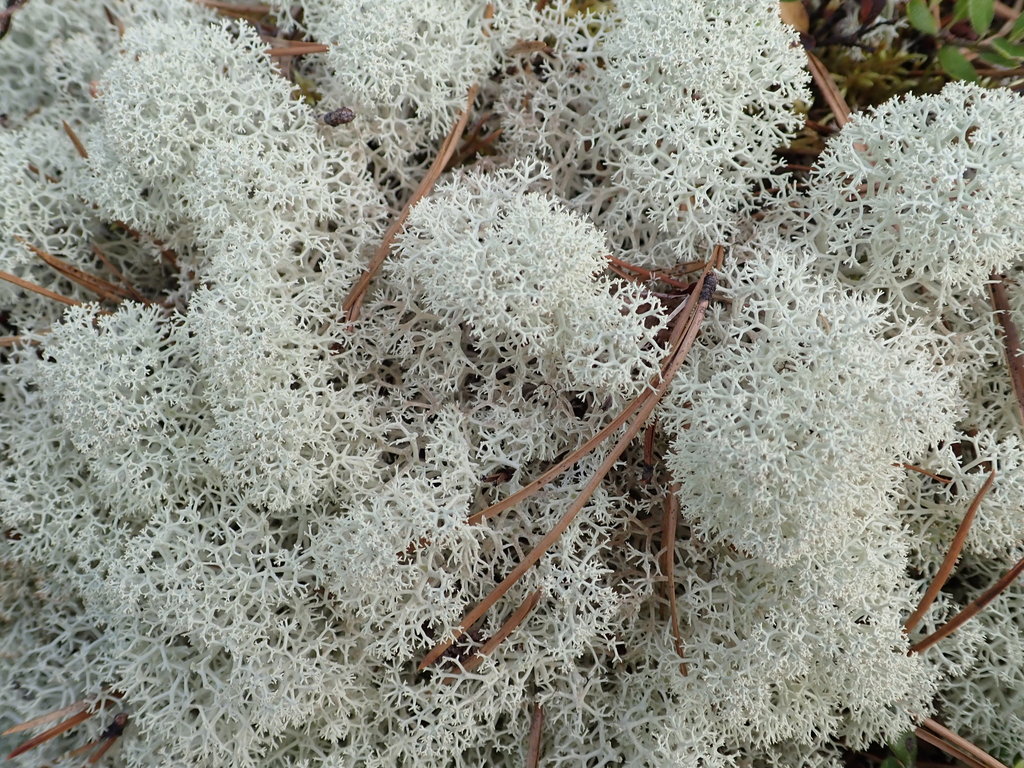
[{"x": 246, "y": 517}]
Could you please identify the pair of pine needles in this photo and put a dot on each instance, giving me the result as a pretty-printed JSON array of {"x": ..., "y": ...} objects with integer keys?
[{"x": 69, "y": 717}]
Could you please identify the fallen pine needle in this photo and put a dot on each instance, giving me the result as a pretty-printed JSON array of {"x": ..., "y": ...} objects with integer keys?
[
  {"x": 355, "y": 297},
  {"x": 970, "y": 610},
  {"x": 675, "y": 360},
  {"x": 950, "y": 560}
]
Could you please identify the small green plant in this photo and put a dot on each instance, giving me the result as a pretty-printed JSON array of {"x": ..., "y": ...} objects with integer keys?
[{"x": 968, "y": 33}]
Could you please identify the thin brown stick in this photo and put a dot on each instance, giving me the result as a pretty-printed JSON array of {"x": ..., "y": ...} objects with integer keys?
[
  {"x": 114, "y": 21},
  {"x": 953, "y": 752},
  {"x": 235, "y": 8},
  {"x": 475, "y": 147},
  {"x": 554, "y": 471},
  {"x": 669, "y": 519},
  {"x": 35, "y": 169},
  {"x": 959, "y": 742},
  {"x": 167, "y": 254},
  {"x": 488, "y": 17},
  {"x": 925, "y": 472},
  {"x": 46, "y": 735},
  {"x": 49, "y": 717},
  {"x": 942, "y": 575},
  {"x": 1011, "y": 339},
  {"x": 970, "y": 610},
  {"x": 540, "y": 549},
  {"x": 649, "y": 274},
  {"x": 10, "y": 341},
  {"x": 298, "y": 49},
  {"x": 28, "y": 286},
  {"x": 536, "y": 733},
  {"x": 355, "y": 297},
  {"x": 119, "y": 275},
  {"x": 102, "y": 288},
  {"x": 79, "y": 146},
  {"x": 514, "y": 620},
  {"x": 829, "y": 90},
  {"x": 1004, "y": 11}
]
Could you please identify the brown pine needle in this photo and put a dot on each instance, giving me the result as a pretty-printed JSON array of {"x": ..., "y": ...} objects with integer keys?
[
  {"x": 114, "y": 21},
  {"x": 668, "y": 543},
  {"x": 949, "y": 749},
  {"x": 513, "y": 621},
  {"x": 536, "y": 734},
  {"x": 627, "y": 413},
  {"x": 925, "y": 472},
  {"x": 939, "y": 733},
  {"x": 49, "y": 717},
  {"x": 118, "y": 274},
  {"x": 972, "y": 608},
  {"x": 946, "y": 568},
  {"x": 234, "y": 9},
  {"x": 298, "y": 49},
  {"x": 28, "y": 286},
  {"x": 649, "y": 274},
  {"x": 79, "y": 146},
  {"x": 557, "y": 469},
  {"x": 102, "y": 288},
  {"x": 829, "y": 90},
  {"x": 1011, "y": 339},
  {"x": 354, "y": 300},
  {"x": 679, "y": 353},
  {"x": 10, "y": 341},
  {"x": 46, "y": 735},
  {"x": 105, "y": 740}
]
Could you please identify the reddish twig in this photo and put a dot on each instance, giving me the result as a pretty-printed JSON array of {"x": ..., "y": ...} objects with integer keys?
[
  {"x": 1011, "y": 339},
  {"x": 536, "y": 732},
  {"x": 950, "y": 743},
  {"x": 829, "y": 90},
  {"x": 49, "y": 733},
  {"x": 29, "y": 286},
  {"x": 118, "y": 274},
  {"x": 298, "y": 49},
  {"x": 925, "y": 472},
  {"x": 551, "y": 473},
  {"x": 970, "y": 610},
  {"x": 513, "y": 621},
  {"x": 668, "y": 543},
  {"x": 79, "y": 146},
  {"x": 950, "y": 560},
  {"x": 102, "y": 288},
  {"x": 649, "y": 274},
  {"x": 687, "y": 334},
  {"x": 354, "y": 299}
]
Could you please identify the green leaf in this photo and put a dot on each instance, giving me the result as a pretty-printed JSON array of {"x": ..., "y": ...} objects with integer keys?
[
  {"x": 959, "y": 10},
  {"x": 904, "y": 750},
  {"x": 920, "y": 17},
  {"x": 1008, "y": 49},
  {"x": 955, "y": 65},
  {"x": 1017, "y": 34},
  {"x": 997, "y": 59},
  {"x": 981, "y": 13}
]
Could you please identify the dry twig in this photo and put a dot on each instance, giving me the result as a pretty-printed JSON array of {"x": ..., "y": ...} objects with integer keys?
[
  {"x": 684, "y": 334},
  {"x": 950, "y": 560},
  {"x": 536, "y": 732},
  {"x": 354, "y": 299},
  {"x": 829, "y": 90},
  {"x": 668, "y": 534},
  {"x": 1011, "y": 339},
  {"x": 971, "y": 609},
  {"x": 955, "y": 746}
]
